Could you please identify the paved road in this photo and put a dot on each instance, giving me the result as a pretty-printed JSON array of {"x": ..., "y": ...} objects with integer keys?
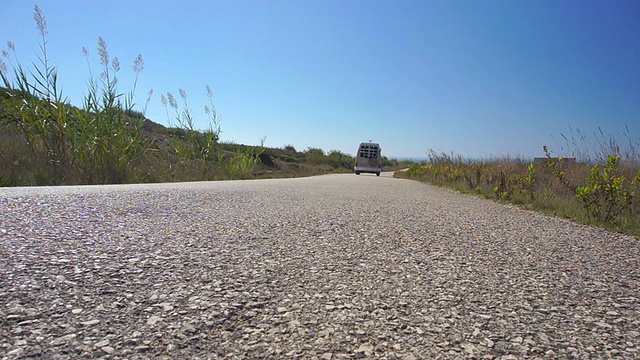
[{"x": 328, "y": 267}]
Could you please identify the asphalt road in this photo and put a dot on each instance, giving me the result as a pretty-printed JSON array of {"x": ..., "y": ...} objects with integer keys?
[{"x": 329, "y": 267}]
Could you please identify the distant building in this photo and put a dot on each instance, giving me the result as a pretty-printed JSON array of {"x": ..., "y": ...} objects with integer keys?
[{"x": 565, "y": 160}]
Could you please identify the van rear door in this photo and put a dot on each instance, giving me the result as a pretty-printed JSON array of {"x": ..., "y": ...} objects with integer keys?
[{"x": 368, "y": 159}]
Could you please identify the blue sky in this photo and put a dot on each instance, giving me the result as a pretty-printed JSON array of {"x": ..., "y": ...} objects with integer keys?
[{"x": 479, "y": 78}]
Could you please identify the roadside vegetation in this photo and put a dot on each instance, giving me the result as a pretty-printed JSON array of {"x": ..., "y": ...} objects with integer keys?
[
  {"x": 597, "y": 185},
  {"x": 45, "y": 140}
]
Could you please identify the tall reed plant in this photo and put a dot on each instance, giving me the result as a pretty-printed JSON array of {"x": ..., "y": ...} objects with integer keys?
[
  {"x": 599, "y": 146},
  {"x": 44, "y": 114},
  {"x": 189, "y": 144},
  {"x": 107, "y": 141},
  {"x": 96, "y": 144},
  {"x": 201, "y": 148}
]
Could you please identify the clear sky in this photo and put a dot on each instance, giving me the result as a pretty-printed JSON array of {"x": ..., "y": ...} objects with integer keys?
[{"x": 479, "y": 78}]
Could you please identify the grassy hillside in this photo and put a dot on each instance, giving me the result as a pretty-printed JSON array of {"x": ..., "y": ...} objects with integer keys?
[
  {"x": 44, "y": 140},
  {"x": 163, "y": 154},
  {"x": 89, "y": 148}
]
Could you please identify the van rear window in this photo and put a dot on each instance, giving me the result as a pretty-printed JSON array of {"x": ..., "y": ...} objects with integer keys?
[{"x": 369, "y": 151}]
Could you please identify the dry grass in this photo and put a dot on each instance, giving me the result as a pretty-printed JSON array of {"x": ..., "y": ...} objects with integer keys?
[{"x": 601, "y": 193}]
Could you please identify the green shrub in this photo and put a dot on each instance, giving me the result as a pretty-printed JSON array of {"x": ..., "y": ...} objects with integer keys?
[
  {"x": 416, "y": 170},
  {"x": 608, "y": 196}
]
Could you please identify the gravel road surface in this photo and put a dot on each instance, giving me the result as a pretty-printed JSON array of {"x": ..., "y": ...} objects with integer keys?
[{"x": 328, "y": 267}]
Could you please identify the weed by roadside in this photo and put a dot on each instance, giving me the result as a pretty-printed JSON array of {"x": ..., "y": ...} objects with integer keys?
[{"x": 605, "y": 193}]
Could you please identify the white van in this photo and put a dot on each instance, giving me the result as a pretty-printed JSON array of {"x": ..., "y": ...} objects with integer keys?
[{"x": 368, "y": 159}]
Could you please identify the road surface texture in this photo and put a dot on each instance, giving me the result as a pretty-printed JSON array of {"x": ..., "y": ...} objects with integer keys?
[{"x": 328, "y": 267}]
